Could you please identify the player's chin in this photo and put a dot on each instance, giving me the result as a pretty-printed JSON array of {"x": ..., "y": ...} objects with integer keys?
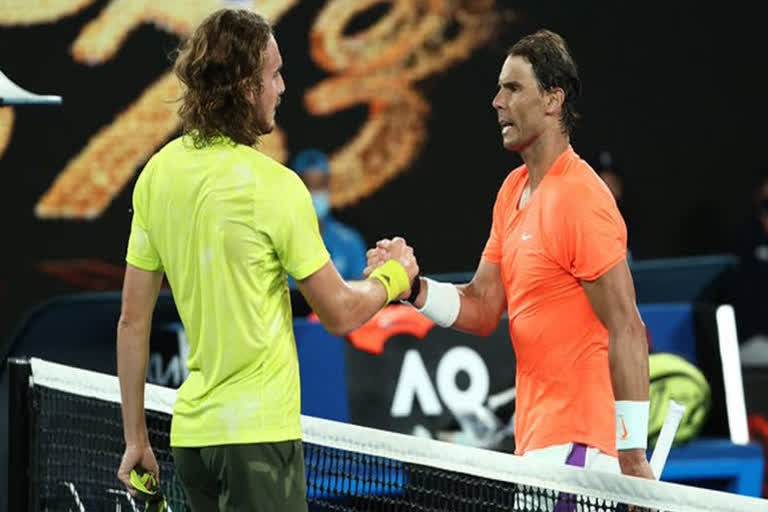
[
  {"x": 267, "y": 127},
  {"x": 511, "y": 144}
]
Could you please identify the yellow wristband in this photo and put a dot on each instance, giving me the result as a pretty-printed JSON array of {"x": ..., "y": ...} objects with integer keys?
[{"x": 394, "y": 278}]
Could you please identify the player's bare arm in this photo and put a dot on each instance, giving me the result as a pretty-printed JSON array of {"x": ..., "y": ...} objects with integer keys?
[
  {"x": 474, "y": 307},
  {"x": 140, "y": 291},
  {"x": 344, "y": 306},
  {"x": 612, "y": 297}
]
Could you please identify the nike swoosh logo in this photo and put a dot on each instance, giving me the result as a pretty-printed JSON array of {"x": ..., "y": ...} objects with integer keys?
[
  {"x": 526, "y": 236},
  {"x": 624, "y": 434}
]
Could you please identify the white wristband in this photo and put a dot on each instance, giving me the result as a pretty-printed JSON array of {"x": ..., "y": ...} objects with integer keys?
[
  {"x": 631, "y": 425},
  {"x": 442, "y": 304}
]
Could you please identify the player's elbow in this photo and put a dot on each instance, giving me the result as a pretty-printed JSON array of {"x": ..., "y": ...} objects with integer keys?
[
  {"x": 339, "y": 327},
  {"x": 637, "y": 330},
  {"x": 491, "y": 323},
  {"x": 130, "y": 321},
  {"x": 630, "y": 332},
  {"x": 485, "y": 330},
  {"x": 484, "y": 325},
  {"x": 334, "y": 321}
]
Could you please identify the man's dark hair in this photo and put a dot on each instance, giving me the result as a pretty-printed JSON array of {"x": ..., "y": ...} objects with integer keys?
[
  {"x": 553, "y": 67},
  {"x": 220, "y": 66}
]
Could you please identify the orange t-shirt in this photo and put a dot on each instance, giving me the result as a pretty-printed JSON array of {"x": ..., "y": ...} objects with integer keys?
[{"x": 569, "y": 231}]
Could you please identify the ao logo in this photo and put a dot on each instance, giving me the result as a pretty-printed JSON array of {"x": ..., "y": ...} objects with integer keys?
[
  {"x": 176, "y": 372},
  {"x": 414, "y": 383}
]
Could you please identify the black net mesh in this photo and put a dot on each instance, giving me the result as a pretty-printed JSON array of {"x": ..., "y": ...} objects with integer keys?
[{"x": 77, "y": 442}]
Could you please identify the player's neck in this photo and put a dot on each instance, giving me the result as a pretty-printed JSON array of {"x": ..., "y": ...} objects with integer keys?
[{"x": 541, "y": 154}]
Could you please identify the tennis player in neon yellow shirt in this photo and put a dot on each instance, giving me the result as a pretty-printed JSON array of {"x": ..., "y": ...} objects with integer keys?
[{"x": 226, "y": 225}]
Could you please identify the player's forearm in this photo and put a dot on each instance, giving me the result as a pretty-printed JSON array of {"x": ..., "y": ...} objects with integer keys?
[
  {"x": 628, "y": 358},
  {"x": 132, "y": 356},
  {"x": 476, "y": 314},
  {"x": 355, "y": 304}
]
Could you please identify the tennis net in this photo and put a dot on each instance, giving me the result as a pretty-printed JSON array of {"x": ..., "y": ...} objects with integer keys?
[{"x": 66, "y": 444}]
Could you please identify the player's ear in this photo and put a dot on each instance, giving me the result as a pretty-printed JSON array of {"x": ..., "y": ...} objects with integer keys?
[{"x": 555, "y": 100}]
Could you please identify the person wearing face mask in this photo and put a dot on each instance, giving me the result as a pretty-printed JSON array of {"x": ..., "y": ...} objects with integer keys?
[{"x": 344, "y": 243}]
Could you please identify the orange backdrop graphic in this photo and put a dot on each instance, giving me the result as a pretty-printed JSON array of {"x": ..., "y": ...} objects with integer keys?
[{"x": 376, "y": 67}]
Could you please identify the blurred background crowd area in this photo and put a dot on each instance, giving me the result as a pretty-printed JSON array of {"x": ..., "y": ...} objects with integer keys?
[{"x": 666, "y": 119}]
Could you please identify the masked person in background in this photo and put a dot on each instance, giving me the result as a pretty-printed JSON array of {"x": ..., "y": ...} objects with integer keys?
[
  {"x": 343, "y": 242},
  {"x": 751, "y": 282}
]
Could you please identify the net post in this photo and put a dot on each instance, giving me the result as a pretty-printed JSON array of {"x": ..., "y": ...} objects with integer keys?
[{"x": 19, "y": 490}]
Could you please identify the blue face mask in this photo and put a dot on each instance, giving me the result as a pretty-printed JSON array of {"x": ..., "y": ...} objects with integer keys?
[{"x": 321, "y": 203}]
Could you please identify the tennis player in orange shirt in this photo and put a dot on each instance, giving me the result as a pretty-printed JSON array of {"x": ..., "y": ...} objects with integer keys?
[{"x": 556, "y": 258}]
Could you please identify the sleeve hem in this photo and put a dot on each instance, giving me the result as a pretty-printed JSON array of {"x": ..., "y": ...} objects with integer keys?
[
  {"x": 310, "y": 267},
  {"x": 492, "y": 258},
  {"x": 143, "y": 264},
  {"x": 597, "y": 274}
]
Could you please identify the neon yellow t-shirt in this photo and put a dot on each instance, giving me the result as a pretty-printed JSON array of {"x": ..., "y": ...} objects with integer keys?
[{"x": 226, "y": 223}]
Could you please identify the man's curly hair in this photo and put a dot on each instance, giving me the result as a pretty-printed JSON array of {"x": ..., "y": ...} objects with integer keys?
[{"x": 220, "y": 66}]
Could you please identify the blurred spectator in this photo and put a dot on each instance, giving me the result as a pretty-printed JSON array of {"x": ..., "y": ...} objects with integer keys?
[
  {"x": 607, "y": 170},
  {"x": 344, "y": 244},
  {"x": 751, "y": 303},
  {"x": 605, "y": 166}
]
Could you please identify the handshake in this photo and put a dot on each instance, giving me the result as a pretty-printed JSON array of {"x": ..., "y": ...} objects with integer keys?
[{"x": 395, "y": 249}]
